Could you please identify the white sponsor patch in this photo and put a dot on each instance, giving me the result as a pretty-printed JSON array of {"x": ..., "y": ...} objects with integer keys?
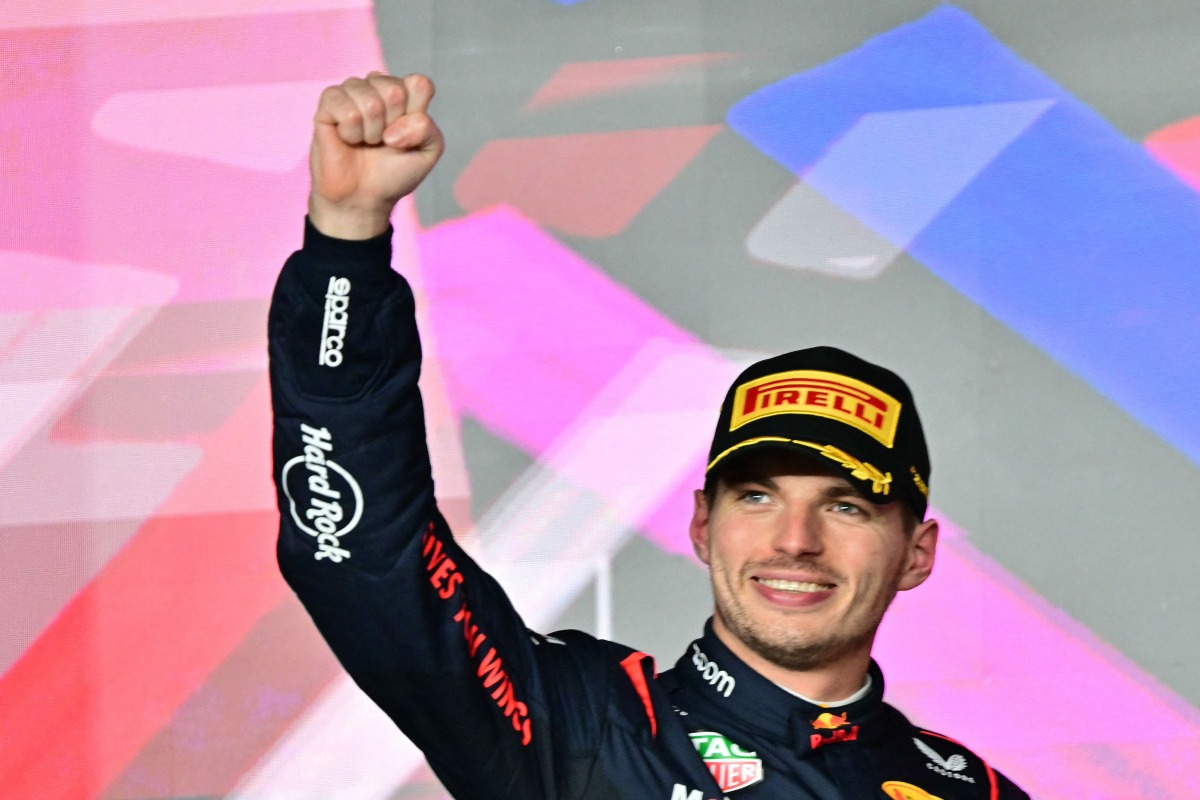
[
  {"x": 337, "y": 317},
  {"x": 681, "y": 792},
  {"x": 334, "y": 499},
  {"x": 951, "y": 767},
  {"x": 719, "y": 678},
  {"x": 733, "y": 767}
]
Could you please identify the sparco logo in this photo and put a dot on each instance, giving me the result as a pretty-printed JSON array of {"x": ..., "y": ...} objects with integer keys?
[
  {"x": 334, "y": 500},
  {"x": 711, "y": 672},
  {"x": 337, "y": 315}
]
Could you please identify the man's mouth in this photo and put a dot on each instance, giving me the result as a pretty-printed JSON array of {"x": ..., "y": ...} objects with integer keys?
[{"x": 797, "y": 587}]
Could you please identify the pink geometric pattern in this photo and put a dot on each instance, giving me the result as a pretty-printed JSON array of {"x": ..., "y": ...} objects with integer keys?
[
  {"x": 271, "y": 133},
  {"x": 88, "y": 12},
  {"x": 976, "y": 653}
]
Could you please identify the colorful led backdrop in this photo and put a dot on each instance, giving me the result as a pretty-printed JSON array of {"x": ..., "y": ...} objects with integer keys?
[{"x": 1000, "y": 200}]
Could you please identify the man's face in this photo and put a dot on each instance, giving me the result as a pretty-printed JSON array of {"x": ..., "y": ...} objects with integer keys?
[{"x": 803, "y": 567}]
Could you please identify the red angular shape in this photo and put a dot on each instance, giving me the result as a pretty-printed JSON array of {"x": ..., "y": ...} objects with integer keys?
[
  {"x": 1177, "y": 146},
  {"x": 265, "y": 685},
  {"x": 123, "y": 656},
  {"x": 587, "y": 184},
  {"x": 584, "y": 79}
]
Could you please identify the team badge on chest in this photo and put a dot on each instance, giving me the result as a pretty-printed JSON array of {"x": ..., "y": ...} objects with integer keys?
[{"x": 732, "y": 767}]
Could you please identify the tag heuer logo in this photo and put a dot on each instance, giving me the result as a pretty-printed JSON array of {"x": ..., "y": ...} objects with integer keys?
[{"x": 731, "y": 766}]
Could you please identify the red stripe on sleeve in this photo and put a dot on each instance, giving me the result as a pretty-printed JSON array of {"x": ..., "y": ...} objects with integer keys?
[{"x": 633, "y": 666}]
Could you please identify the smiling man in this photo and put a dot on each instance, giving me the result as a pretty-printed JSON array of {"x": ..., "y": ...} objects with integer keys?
[{"x": 811, "y": 519}]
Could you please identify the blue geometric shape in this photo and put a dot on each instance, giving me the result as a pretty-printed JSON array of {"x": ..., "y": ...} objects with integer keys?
[
  {"x": 900, "y": 169},
  {"x": 1073, "y": 235}
]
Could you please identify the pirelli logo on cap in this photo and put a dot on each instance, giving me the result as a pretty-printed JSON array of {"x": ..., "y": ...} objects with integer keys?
[{"x": 824, "y": 394}]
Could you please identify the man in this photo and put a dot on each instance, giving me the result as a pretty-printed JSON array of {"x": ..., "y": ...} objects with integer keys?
[{"x": 812, "y": 518}]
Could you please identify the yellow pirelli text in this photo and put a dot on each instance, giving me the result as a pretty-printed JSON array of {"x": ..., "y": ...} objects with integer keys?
[{"x": 824, "y": 394}]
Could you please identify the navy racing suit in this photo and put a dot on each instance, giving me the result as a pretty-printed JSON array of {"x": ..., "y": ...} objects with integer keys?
[{"x": 498, "y": 710}]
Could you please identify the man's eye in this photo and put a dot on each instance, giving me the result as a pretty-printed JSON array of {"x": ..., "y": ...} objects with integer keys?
[
  {"x": 754, "y": 496},
  {"x": 847, "y": 508}
]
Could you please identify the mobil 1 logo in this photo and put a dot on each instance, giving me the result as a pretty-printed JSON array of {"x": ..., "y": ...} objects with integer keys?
[{"x": 324, "y": 499}]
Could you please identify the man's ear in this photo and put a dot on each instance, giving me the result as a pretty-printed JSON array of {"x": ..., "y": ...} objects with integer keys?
[
  {"x": 922, "y": 551},
  {"x": 698, "y": 528}
]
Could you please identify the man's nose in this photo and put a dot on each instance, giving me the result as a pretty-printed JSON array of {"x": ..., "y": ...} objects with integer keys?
[{"x": 800, "y": 532}]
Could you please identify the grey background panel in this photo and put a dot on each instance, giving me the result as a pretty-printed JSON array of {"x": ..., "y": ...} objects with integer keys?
[{"x": 1062, "y": 488}]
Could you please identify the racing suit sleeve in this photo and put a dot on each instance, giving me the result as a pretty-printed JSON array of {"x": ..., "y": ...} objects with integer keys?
[{"x": 426, "y": 633}]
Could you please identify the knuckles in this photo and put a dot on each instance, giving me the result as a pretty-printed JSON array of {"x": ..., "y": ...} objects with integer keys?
[
  {"x": 418, "y": 83},
  {"x": 372, "y": 107},
  {"x": 356, "y": 104},
  {"x": 377, "y": 91},
  {"x": 394, "y": 95}
]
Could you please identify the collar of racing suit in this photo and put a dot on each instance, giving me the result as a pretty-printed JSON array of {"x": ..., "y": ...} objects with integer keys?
[{"x": 711, "y": 670}]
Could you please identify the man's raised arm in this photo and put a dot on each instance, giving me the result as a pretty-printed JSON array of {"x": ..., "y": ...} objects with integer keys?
[
  {"x": 429, "y": 636},
  {"x": 345, "y": 357}
]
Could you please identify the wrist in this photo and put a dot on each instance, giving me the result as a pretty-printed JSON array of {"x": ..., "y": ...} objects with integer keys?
[{"x": 346, "y": 222}]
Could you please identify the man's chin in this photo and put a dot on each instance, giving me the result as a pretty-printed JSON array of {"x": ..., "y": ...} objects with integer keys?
[
  {"x": 780, "y": 645},
  {"x": 796, "y": 656},
  {"x": 798, "y": 651}
]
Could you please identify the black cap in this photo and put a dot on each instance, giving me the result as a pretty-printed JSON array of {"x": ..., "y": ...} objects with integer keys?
[{"x": 833, "y": 405}]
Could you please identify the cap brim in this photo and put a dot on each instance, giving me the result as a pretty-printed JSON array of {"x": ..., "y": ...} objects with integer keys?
[{"x": 872, "y": 483}]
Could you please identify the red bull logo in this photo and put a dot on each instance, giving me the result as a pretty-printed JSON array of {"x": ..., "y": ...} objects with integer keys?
[
  {"x": 829, "y": 722},
  {"x": 836, "y": 724},
  {"x": 841, "y": 735},
  {"x": 899, "y": 790},
  {"x": 824, "y": 394}
]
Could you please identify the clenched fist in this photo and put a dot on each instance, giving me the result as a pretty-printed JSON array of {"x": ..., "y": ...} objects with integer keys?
[{"x": 373, "y": 143}]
